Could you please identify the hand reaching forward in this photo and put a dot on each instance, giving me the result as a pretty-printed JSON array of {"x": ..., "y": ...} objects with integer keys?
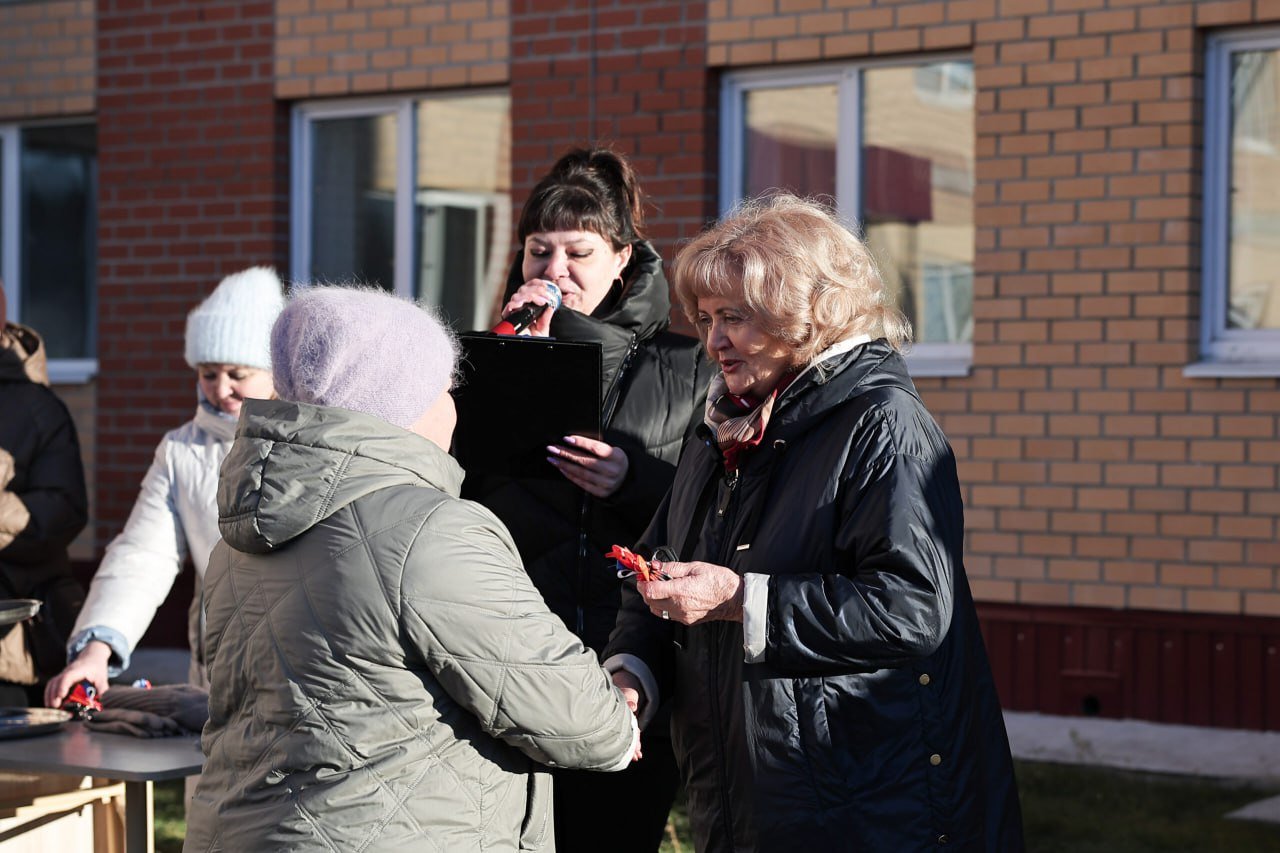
[
  {"x": 90, "y": 665},
  {"x": 696, "y": 593}
]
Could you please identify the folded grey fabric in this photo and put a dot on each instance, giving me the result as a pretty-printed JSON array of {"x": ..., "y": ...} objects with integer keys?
[
  {"x": 137, "y": 723},
  {"x": 176, "y": 709}
]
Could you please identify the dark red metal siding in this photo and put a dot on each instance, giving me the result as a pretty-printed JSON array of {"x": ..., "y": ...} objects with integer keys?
[{"x": 1165, "y": 667}]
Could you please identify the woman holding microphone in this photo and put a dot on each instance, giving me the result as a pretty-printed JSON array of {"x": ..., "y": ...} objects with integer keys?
[{"x": 581, "y": 230}]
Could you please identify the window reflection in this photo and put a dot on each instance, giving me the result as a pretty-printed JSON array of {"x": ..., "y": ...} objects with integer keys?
[
  {"x": 1253, "y": 297},
  {"x": 454, "y": 191},
  {"x": 353, "y": 192},
  {"x": 462, "y": 207},
  {"x": 917, "y": 192},
  {"x": 58, "y": 222},
  {"x": 790, "y": 140}
]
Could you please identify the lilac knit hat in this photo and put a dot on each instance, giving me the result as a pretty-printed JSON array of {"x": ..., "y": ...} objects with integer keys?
[{"x": 362, "y": 349}]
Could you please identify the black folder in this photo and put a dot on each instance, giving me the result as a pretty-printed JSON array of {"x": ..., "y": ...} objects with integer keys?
[{"x": 517, "y": 395}]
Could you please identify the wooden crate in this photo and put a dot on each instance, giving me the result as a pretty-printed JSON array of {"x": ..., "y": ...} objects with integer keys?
[{"x": 46, "y": 812}]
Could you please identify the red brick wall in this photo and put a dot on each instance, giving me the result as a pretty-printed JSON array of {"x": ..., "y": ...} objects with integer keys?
[
  {"x": 1095, "y": 473},
  {"x": 628, "y": 74},
  {"x": 193, "y": 153},
  {"x": 46, "y": 59}
]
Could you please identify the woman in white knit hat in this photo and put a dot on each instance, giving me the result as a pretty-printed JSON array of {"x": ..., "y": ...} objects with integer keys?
[{"x": 176, "y": 513}]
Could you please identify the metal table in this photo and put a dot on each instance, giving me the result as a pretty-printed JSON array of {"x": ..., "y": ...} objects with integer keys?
[{"x": 135, "y": 761}]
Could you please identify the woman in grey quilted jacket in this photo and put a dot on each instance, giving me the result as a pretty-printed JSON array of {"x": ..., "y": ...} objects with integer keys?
[{"x": 384, "y": 676}]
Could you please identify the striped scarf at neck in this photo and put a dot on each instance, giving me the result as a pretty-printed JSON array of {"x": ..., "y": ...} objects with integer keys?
[{"x": 737, "y": 423}]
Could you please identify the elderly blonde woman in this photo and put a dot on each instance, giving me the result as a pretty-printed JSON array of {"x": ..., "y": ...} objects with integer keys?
[{"x": 817, "y": 636}]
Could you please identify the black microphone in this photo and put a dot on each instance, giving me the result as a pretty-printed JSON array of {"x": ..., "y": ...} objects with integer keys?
[{"x": 522, "y": 318}]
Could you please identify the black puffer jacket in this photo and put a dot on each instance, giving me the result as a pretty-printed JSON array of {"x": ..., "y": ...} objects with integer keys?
[
  {"x": 43, "y": 504},
  {"x": 872, "y": 722},
  {"x": 654, "y": 385}
]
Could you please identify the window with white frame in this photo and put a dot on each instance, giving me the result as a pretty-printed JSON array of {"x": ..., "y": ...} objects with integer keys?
[
  {"x": 410, "y": 194},
  {"x": 1240, "y": 281},
  {"x": 892, "y": 146},
  {"x": 48, "y": 230}
]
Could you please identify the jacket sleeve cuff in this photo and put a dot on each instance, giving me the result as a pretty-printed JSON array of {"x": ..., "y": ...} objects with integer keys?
[
  {"x": 635, "y": 742},
  {"x": 119, "y": 661},
  {"x": 755, "y": 617},
  {"x": 648, "y": 684}
]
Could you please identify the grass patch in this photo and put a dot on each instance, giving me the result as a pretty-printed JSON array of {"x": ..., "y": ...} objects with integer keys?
[
  {"x": 1075, "y": 809},
  {"x": 171, "y": 818},
  {"x": 1065, "y": 809}
]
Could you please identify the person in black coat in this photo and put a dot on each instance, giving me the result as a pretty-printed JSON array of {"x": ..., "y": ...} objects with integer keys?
[
  {"x": 43, "y": 507},
  {"x": 581, "y": 230},
  {"x": 817, "y": 637}
]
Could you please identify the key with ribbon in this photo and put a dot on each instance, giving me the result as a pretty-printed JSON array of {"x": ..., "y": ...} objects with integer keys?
[{"x": 632, "y": 565}]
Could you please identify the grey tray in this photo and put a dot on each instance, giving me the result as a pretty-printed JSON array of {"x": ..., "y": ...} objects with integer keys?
[
  {"x": 13, "y": 610},
  {"x": 25, "y": 722}
]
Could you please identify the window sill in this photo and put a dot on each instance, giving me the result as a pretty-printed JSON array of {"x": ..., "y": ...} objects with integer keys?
[
  {"x": 1232, "y": 369},
  {"x": 72, "y": 371},
  {"x": 924, "y": 364}
]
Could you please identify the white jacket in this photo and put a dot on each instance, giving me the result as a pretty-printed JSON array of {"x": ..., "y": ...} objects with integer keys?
[{"x": 175, "y": 516}]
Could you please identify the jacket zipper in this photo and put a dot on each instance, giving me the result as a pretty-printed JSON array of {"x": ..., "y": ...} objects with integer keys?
[
  {"x": 615, "y": 388},
  {"x": 731, "y": 480},
  {"x": 583, "y": 510},
  {"x": 611, "y": 403}
]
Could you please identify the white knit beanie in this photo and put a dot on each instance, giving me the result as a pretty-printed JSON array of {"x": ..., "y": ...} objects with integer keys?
[{"x": 233, "y": 326}]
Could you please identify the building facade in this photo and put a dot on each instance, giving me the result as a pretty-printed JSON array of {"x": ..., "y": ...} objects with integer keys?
[{"x": 1074, "y": 199}]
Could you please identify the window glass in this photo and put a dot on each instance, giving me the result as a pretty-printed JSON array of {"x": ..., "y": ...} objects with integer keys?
[
  {"x": 462, "y": 212},
  {"x": 413, "y": 195},
  {"x": 58, "y": 227},
  {"x": 917, "y": 179},
  {"x": 790, "y": 140},
  {"x": 1253, "y": 286},
  {"x": 353, "y": 192},
  {"x": 948, "y": 300}
]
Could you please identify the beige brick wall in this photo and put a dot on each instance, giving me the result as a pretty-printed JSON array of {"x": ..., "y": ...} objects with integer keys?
[
  {"x": 1094, "y": 472},
  {"x": 368, "y": 47},
  {"x": 46, "y": 59}
]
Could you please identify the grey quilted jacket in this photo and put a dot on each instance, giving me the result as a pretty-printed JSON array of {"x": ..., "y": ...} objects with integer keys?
[{"x": 384, "y": 676}]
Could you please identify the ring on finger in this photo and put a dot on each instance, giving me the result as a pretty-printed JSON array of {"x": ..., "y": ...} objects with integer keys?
[{"x": 666, "y": 615}]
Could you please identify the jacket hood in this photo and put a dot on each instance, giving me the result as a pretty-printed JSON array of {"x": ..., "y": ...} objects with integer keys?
[
  {"x": 293, "y": 465},
  {"x": 22, "y": 355},
  {"x": 640, "y": 311},
  {"x": 871, "y": 366}
]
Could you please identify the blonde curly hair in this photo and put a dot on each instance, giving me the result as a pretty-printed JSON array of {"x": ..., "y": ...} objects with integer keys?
[{"x": 803, "y": 275}]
